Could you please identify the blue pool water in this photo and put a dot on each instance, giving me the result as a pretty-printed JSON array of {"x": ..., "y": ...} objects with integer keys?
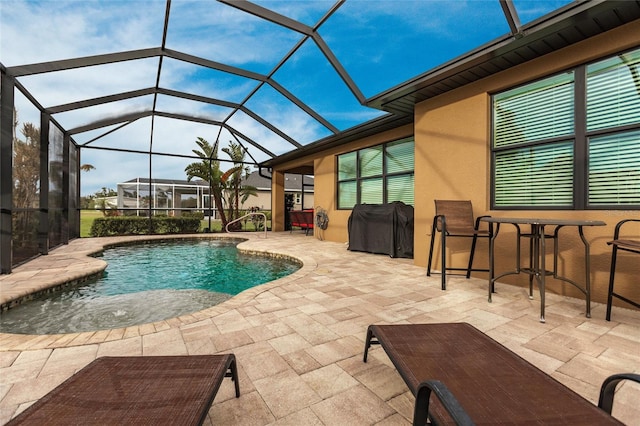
[{"x": 148, "y": 282}]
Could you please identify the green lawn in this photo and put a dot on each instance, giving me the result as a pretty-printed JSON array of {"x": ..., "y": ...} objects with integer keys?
[
  {"x": 86, "y": 219},
  {"x": 216, "y": 225}
]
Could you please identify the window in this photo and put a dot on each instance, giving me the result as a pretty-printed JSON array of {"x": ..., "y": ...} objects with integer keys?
[
  {"x": 614, "y": 177},
  {"x": 376, "y": 175},
  {"x": 570, "y": 141}
]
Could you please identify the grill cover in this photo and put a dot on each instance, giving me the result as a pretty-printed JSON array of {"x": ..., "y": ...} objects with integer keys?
[{"x": 382, "y": 229}]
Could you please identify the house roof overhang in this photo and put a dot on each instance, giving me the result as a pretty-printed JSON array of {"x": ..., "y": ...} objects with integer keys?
[
  {"x": 370, "y": 128},
  {"x": 569, "y": 25}
]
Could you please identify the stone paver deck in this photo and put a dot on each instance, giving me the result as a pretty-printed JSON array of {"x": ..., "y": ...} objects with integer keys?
[{"x": 299, "y": 340}]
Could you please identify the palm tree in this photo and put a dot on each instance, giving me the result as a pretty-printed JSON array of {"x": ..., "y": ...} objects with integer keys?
[
  {"x": 26, "y": 167},
  {"x": 209, "y": 170},
  {"x": 26, "y": 185},
  {"x": 237, "y": 193}
]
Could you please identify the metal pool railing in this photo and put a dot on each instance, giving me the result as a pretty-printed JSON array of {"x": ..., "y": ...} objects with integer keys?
[{"x": 264, "y": 218}]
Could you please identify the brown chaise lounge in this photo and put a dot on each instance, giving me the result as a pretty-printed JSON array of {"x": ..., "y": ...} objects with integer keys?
[
  {"x": 153, "y": 390},
  {"x": 476, "y": 380}
]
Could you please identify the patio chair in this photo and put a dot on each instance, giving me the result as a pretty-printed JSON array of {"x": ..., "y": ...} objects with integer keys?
[
  {"x": 628, "y": 245},
  {"x": 302, "y": 219},
  {"x": 171, "y": 390},
  {"x": 454, "y": 218}
]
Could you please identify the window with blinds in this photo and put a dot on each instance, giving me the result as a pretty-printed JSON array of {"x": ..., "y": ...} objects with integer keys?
[
  {"x": 613, "y": 105},
  {"x": 347, "y": 183},
  {"x": 571, "y": 140},
  {"x": 400, "y": 188},
  {"x": 613, "y": 92},
  {"x": 370, "y": 161},
  {"x": 535, "y": 112},
  {"x": 531, "y": 168},
  {"x": 376, "y": 175},
  {"x": 614, "y": 169},
  {"x": 535, "y": 176}
]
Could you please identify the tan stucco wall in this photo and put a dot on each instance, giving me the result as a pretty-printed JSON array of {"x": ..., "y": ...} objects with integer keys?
[
  {"x": 452, "y": 161},
  {"x": 277, "y": 203},
  {"x": 452, "y": 134},
  {"x": 262, "y": 200},
  {"x": 325, "y": 177},
  {"x": 324, "y": 196}
]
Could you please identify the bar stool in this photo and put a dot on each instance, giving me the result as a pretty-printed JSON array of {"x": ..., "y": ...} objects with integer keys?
[
  {"x": 628, "y": 245},
  {"x": 454, "y": 218}
]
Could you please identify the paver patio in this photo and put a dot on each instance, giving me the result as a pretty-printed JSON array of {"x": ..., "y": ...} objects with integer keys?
[{"x": 299, "y": 340}]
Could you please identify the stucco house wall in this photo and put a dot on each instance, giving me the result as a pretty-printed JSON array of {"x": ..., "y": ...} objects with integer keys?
[
  {"x": 325, "y": 173},
  {"x": 452, "y": 161}
]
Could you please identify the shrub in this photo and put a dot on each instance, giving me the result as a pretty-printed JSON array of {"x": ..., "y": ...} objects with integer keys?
[
  {"x": 135, "y": 225},
  {"x": 198, "y": 215}
]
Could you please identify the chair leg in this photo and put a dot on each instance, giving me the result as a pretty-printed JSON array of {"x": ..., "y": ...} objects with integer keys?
[
  {"x": 531, "y": 268},
  {"x": 473, "y": 250},
  {"x": 614, "y": 255},
  {"x": 443, "y": 238},
  {"x": 433, "y": 237},
  {"x": 233, "y": 369}
]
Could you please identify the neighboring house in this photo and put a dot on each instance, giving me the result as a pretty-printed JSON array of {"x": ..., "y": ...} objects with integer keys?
[
  {"x": 171, "y": 196},
  {"x": 165, "y": 196},
  {"x": 302, "y": 197},
  {"x": 102, "y": 203}
]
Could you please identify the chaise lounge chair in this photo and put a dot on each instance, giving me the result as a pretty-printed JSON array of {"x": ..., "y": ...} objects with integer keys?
[
  {"x": 175, "y": 390},
  {"x": 476, "y": 380}
]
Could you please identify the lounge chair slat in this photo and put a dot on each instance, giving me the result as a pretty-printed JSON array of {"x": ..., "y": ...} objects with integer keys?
[{"x": 175, "y": 390}]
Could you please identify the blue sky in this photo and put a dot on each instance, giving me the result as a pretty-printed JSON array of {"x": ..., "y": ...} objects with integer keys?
[{"x": 380, "y": 43}]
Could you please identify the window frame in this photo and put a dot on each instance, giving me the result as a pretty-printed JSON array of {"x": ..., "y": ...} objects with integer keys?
[
  {"x": 384, "y": 175},
  {"x": 580, "y": 137}
]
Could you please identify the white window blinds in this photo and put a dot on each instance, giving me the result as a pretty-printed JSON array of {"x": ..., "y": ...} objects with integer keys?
[
  {"x": 614, "y": 169},
  {"x": 613, "y": 101},
  {"x": 535, "y": 112},
  {"x": 613, "y": 92},
  {"x": 531, "y": 168},
  {"x": 535, "y": 176},
  {"x": 377, "y": 175}
]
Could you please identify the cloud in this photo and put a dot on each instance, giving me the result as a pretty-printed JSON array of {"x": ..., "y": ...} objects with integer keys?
[
  {"x": 40, "y": 31},
  {"x": 227, "y": 35},
  {"x": 380, "y": 43}
]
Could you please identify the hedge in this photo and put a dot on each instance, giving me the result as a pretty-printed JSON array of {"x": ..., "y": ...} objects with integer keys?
[{"x": 135, "y": 225}]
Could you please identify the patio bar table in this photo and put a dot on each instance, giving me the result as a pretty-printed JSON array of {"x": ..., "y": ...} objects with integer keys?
[{"x": 537, "y": 262}]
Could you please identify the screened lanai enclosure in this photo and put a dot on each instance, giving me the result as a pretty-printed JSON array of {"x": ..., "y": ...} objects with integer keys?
[{"x": 95, "y": 93}]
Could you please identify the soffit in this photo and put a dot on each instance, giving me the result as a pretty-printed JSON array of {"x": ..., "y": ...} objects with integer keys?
[{"x": 571, "y": 24}]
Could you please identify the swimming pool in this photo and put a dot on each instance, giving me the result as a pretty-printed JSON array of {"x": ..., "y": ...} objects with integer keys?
[{"x": 147, "y": 282}]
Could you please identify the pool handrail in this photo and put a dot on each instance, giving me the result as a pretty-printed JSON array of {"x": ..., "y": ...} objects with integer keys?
[{"x": 264, "y": 216}]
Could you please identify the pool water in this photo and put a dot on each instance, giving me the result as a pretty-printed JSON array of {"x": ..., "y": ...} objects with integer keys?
[{"x": 148, "y": 282}]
